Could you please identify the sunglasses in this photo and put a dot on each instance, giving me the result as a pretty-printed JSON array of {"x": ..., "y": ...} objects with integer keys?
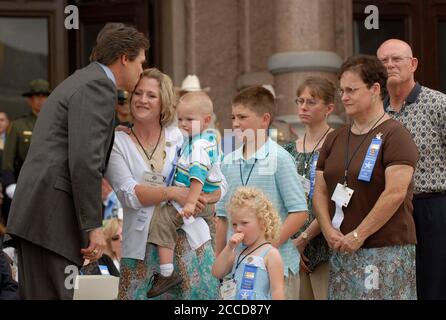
[{"x": 116, "y": 237}]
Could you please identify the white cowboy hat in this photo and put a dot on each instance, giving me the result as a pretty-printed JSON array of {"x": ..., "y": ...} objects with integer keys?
[
  {"x": 192, "y": 83},
  {"x": 270, "y": 89}
]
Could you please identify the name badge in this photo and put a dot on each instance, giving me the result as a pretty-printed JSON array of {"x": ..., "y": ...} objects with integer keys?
[
  {"x": 153, "y": 179},
  {"x": 228, "y": 289},
  {"x": 370, "y": 159},
  {"x": 249, "y": 277},
  {"x": 342, "y": 195}
]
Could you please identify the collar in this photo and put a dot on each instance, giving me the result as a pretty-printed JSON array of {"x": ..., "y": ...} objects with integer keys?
[
  {"x": 108, "y": 72},
  {"x": 411, "y": 98},
  {"x": 260, "y": 154},
  {"x": 206, "y": 134}
]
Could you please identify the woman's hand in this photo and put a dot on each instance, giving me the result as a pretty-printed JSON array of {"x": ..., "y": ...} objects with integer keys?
[
  {"x": 301, "y": 244},
  {"x": 179, "y": 194},
  {"x": 123, "y": 129},
  {"x": 349, "y": 243},
  {"x": 333, "y": 236}
]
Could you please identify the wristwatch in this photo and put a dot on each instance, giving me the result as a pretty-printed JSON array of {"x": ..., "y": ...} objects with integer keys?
[{"x": 355, "y": 235}]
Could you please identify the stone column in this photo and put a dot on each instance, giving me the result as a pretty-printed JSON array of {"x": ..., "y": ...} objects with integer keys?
[{"x": 305, "y": 45}]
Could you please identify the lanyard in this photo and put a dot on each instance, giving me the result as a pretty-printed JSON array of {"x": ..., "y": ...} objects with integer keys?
[
  {"x": 238, "y": 258},
  {"x": 306, "y": 161},
  {"x": 144, "y": 150},
  {"x": 249, "y": 175},
  {"x": 347, "y": 161}
]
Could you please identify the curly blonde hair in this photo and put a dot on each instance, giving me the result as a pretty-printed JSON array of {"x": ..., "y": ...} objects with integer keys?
[{"x": 257, "y": 201}]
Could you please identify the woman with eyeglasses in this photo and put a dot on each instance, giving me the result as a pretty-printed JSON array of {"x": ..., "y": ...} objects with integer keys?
[
  {"x": 315, "y": 102},
  {"x": 363, "y": 192}
]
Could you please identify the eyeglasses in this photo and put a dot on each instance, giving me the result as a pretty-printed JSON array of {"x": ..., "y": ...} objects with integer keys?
[
  {"x": 348, "y": 90},
  {"x": 309, "y": 102},
  {"x": 116, "y": 237},
  {"x": 395, "y": 60}
]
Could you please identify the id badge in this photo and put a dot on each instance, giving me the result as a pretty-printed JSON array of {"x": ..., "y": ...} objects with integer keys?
[
  {"x": 342, "y": 195},
  {"x": 104, "y": 270},
  {"x": 152, "y": 179},
  {"x": 228, "y": 289},
  {"x": 306, "y": 184}
]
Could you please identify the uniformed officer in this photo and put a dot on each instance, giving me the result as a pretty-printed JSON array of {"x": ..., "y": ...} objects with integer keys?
[{"x": 19, "y": 135}]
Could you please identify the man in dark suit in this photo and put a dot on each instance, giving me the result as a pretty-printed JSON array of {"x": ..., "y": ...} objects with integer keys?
[{"x": 56, "y": 212}]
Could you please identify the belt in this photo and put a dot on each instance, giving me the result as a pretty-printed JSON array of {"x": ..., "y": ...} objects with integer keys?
[{"x": 429, "y": 195}]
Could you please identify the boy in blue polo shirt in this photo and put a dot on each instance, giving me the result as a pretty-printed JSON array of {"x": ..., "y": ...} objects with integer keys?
[{"x": 262, "y": 163}]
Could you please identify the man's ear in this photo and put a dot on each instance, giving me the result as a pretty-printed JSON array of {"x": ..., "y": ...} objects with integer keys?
[
  {"x": 124, "y": 59},
  {"x": 414, "y": 64}
]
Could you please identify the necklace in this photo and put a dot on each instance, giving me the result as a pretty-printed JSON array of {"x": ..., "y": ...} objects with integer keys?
[
  {"x": 144, "y": 150},
  {"x": 368, "y": 124},
  {"x": 241, "y": 254}
]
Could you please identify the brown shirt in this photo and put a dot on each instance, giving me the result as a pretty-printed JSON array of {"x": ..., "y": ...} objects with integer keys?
[{"x": 397, "y": 148}]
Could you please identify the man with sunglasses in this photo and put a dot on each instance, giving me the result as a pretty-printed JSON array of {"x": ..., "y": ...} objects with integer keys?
[{"x": 423, "y": 112}]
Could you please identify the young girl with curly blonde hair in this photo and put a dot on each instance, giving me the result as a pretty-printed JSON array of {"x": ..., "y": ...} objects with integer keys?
[{"x": 256, "y": 267}]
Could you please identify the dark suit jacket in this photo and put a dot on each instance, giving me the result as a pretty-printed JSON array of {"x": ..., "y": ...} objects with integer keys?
[{"x": 58, "y": 195}]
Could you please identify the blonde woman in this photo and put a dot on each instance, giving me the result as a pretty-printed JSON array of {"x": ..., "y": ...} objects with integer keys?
[
  {"x": 249, "y": 252},
  {"x": 139, "y": 169}
]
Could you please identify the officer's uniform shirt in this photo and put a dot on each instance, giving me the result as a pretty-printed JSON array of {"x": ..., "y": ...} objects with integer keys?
[{"x": 16, "y": 147}]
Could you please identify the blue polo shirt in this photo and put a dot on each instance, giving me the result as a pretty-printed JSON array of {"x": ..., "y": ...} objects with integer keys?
[{"x": 272, "y": 170}]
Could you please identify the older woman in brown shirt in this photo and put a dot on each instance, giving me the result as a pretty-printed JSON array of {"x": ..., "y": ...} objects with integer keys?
[{"x": 363, "y": 192}]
